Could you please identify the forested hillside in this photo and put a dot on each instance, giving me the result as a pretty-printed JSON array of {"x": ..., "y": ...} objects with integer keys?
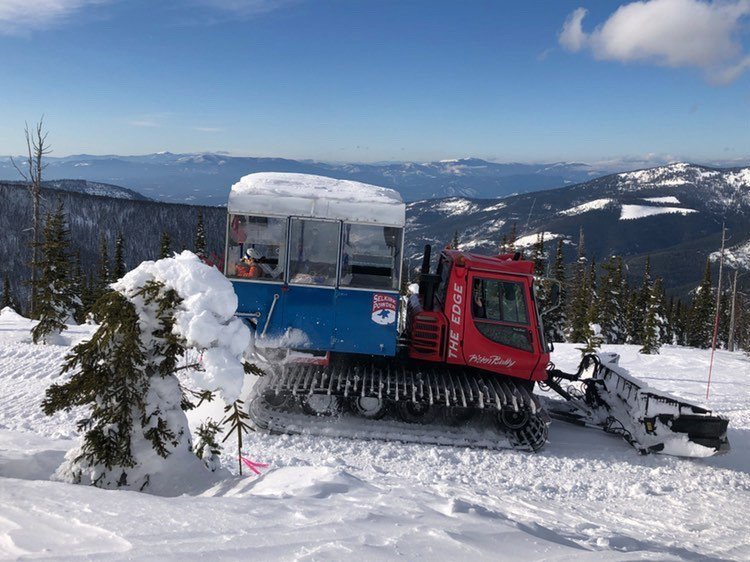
[{"x": 141, "y": 223}]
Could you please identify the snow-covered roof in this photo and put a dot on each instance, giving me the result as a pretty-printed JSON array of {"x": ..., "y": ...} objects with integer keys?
[{"x": 316, "y": 196}]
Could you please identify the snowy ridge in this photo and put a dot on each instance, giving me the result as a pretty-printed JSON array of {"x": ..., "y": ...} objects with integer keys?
[
  {"x": 721, "y": 187},
  {"x": 667, "y": 199},
  {"x": 632, "y": 212},
  {"x": 594, "y": 205}
]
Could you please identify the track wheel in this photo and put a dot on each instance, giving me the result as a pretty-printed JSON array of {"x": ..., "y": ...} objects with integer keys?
[
  {"x": 458, "y": 416},
  {"x": 369, "y": 407},
  {"x": 415, "y": 412},
  {"x": 531, "y": 436},
  {"x": 322, "y": 405},
  {"x": 510, "y": 419}
]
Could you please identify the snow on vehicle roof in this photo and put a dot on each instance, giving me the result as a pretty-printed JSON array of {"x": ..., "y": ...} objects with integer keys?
[{"x": 316, "y": 196}]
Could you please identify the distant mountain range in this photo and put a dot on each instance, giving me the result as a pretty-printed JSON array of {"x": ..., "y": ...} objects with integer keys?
[
  {"x": 206, "y": 178},
  {"x": 88, "y": 188},
  {"x": 672, "y": 213}
]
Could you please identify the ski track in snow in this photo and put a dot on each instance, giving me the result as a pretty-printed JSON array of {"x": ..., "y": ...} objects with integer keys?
[{"x": 586, "y": 496}]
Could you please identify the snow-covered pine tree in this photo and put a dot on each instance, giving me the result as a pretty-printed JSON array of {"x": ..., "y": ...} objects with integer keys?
[
  {"x": 454, "y": 241},
  {"x": 200, "y": 237},
  {"x": 610, "y": 311},
  {"x": 652, "y": 321},
  {"x": 661, "y": 312},
  {"x": 538, "y": 256},
  {"x": 700, "y": 327},
  {"x": 119, "y": 267},
  {"x": 556, "y": 320},
  {"x": 56, "y": 297},
  {"x": 136, "y": 433},
  {"x": 642, "y": 303},
  {"x": 78, "y": 280},
  {"x": 164, "y": 245},
  {"x": 103, "y": 270},
  {"x": 579, "y": 330}
]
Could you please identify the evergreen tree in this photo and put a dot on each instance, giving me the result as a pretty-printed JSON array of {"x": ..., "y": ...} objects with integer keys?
[
  {"x": 119, "y": 266},
  {"x": 236, "y": 418},
  {"x": 659, "y": 302},
  {"x": 651, "y": 333},
  {"x": 538, "y": 256},
  {"x": 207, "y": 447},
  {"x": 135, "y": 432},
  {"x": 610, "y": 309},
  {"x": 578, "y": 312},
  {"x": 670, "y": 324},
  {"x": 454, "y": 242},
  {"x": 8, "y": 300},
  {"x": 78, "y": 281},
  {"x": 88, "y": 298},
  {"x": 512, "y": 238},
  {"x": 164, "y": 248},
  {"x": 200, "y": 237},
  {"x": 700, "y": 327},
  {"x": 555, "y": 321},
  {"x": 113, "y": 373},
  {"x": 56, "y": 297},
  {"x": 724, "y": 314},
  {"x": 103, "y": 275},
  {"x": 643, "y": 302},
  {"x": 632, "y": 314}
]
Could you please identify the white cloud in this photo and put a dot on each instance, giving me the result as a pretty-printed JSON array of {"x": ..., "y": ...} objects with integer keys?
[
  {"x": 21, "y": 16},
  {"x": 673, "y": 33},
  {"x": 143, "y": 123},
  {"x": 245, "y": 8},
  {"x": 209, "y": 129},
  {"x": 572, "y": 36}
]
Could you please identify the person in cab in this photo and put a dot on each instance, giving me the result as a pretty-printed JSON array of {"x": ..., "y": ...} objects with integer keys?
[{"x": 249, "y": 266}]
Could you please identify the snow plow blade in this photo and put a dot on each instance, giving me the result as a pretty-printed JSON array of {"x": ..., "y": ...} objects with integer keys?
[{"x": 602, "y": 394}]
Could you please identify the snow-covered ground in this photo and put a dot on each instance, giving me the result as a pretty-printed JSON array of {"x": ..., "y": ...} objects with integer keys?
[{"x": 586, "y": 496}]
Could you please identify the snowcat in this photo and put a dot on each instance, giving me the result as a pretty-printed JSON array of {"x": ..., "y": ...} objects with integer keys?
[{"x": 316, "y": 264}]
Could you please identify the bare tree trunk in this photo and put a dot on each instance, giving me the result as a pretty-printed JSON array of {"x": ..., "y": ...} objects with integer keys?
[{"x": 36, "y": 145}]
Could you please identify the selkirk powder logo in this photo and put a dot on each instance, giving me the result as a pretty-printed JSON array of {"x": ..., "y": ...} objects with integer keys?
[{"x": 384, "y": 309}]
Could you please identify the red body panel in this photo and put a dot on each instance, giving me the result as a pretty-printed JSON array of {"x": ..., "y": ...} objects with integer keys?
[{"x": 452, "y": 333}]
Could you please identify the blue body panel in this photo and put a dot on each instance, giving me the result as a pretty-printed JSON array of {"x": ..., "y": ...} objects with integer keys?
[{"x": 332, "y": 319}]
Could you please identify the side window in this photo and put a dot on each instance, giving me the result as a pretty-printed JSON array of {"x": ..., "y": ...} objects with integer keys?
[
  {"x": 370, "y": 256},
  {"x": 500, "y": 312},
  {"x": 256, "y": 248},
  {"x": 313, "y": 252},
  {"x": 444, "y": 268}
]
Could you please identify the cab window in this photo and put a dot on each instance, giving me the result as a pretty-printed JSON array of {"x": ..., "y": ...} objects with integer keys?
[
  {"x": 313, "y": 252},
  {"x": 500, "y": 312},
  {"x": 256, "y": 248},
  {"x": 370, "y": 256}
]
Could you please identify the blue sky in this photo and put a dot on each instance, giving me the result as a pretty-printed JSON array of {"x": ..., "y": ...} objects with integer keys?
[{"x": 373, "y": 80}]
